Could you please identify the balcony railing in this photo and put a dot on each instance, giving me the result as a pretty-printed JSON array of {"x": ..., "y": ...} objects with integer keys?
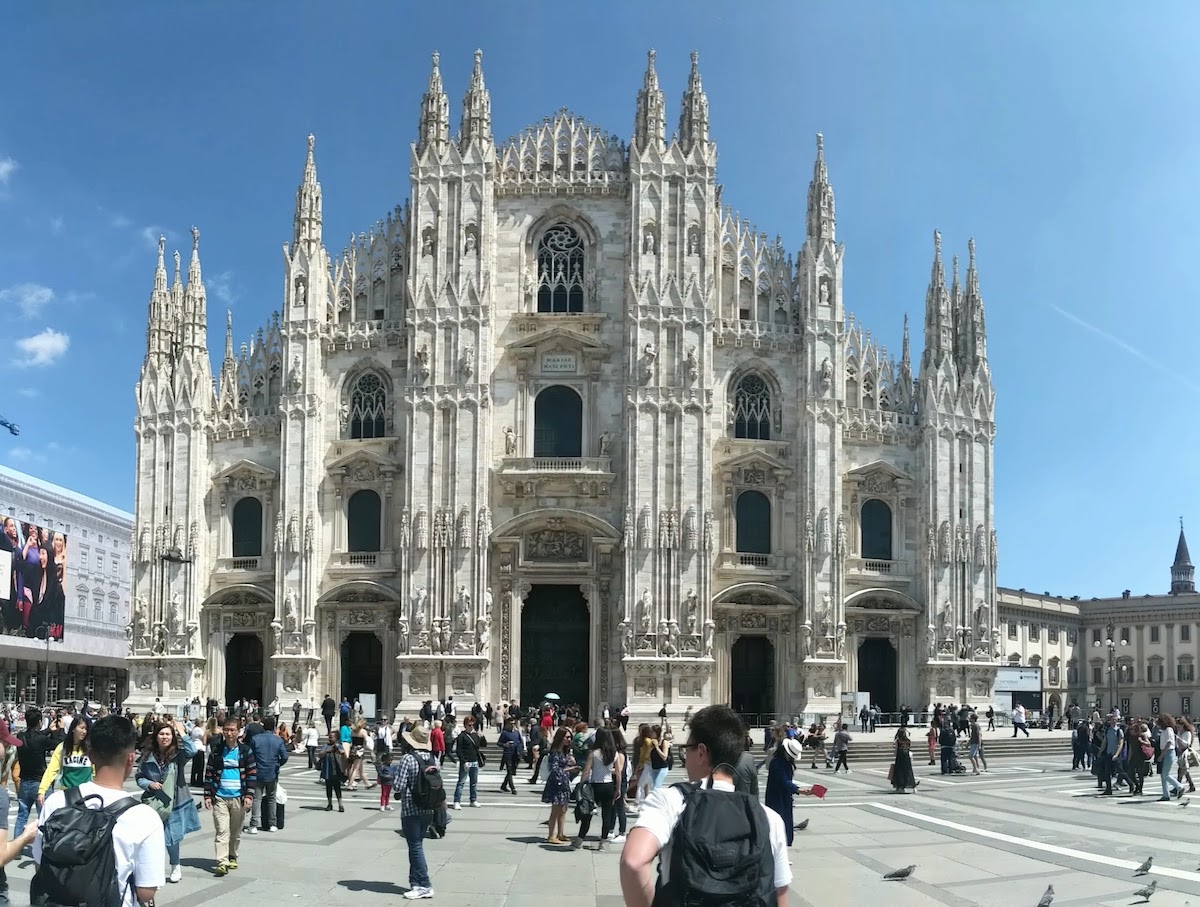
[
  {"x": 754, "y": 560},
  {"x": 361, "y": 559},
  {"x": 364, "y": 560},
  {"x": 877, "y": 567},
  {"x": 240, "y": 564},
  {"x": 557, "y": 464}
]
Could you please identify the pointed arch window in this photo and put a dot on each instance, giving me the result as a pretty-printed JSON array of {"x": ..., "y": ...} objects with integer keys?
[
  {"x": 560, "y": 258},
  {"x": 368, "y": 408},
  {"x": 876, "y": 520},
  {"x": 753, "y": 515},
  {"x": 752, "y": 409},
  {"x": 247, "y": 528}
]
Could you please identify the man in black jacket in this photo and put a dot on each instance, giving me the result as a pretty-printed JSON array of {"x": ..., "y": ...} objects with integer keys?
[
  {"x": 36, "y": 745},
  {"x": 328, "y": 710}
]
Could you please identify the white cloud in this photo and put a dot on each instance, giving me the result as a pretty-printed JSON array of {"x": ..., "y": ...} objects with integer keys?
[
  {"x": 7, "y": 168},
  {"x": 28, "y": 297},
  {"x": 28, "y": 392},
  {"x": 120, "y": 221},
  {"x": 150, "y": 235},
  {"x": 57, "y": 224},
  {"x": 20, "y": 454},
  {"x": 221, "y": 286},
  {"x": 44, "y": 348}
]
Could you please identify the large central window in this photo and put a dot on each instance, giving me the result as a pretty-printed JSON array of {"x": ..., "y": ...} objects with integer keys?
[
  {"x": 368, "y": 408},
  {"x": 558, "y": 423},
  {"x": 560, "y": 286},
  {"x": 752, "y": 409}
]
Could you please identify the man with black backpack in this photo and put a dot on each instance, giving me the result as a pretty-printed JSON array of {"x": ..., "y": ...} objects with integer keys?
[
  {"x": 715, "y": 845},
  {"x": 96, "y": 838},
  {"x": 421, "y": 793}
]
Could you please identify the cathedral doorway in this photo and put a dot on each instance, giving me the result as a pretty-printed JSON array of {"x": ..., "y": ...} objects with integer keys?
[
  {"x": 558, "y": 423},
  {"x": 362, "y": 667},
  {"x": 555, "y": 631},
  {"x": 244, "y": 668},
  {"x": 752, "y": 679},
  {"x": 877, "y": 672}
]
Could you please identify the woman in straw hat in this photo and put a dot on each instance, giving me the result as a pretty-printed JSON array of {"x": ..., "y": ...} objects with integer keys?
[
  {"x": 780, "y": 786},
  {"x": 415, "y": 818}
]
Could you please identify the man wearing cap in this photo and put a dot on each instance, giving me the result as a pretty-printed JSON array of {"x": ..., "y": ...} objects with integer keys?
[{"x": 414, "y": 821}]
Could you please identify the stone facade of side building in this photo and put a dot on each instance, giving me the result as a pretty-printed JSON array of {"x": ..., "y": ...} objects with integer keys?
[
  {"x": 1151, "y": 667},
  {"x": 563, "y": 423}
]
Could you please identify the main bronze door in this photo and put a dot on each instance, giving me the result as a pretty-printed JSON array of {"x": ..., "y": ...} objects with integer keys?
[
  {"x": 555, "y": 646},
  {"x": 244, "y": 668},
  {"x": 752, "y": 679}
]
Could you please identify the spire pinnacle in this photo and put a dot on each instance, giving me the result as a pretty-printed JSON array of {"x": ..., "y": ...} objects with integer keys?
[
  {"x": 650, "y": 120},
  {"x": 229, "y": 335},
  {"x": 306, "y": 226},
  {"x": 434, "y": 127},
  {"x": 821, "y": 221},
  {"x": 693, "y": 114},
  {"x": 194, "y": 264},
  {"x": 477, "y": 108},
  {"x": 160, "y": 271},
  {"x": 973, "y": 326},
  {"x": 1182, "y": 571},
  {"x": 939, "y": 324},
  {"x": 905, "y": 357}
]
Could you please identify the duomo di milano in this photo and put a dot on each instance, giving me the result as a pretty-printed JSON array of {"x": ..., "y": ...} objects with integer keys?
[{"x": 564, "y": 423}]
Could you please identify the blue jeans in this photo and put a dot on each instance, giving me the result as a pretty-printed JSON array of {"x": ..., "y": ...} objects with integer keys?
[
  {"x": 414, "y": 828},
  {"x": 1166, "y": 774},
  {"x": 173, "y": 853},
  {"x": 26, "y": 800},
  {"x": 463, "y": 772}
]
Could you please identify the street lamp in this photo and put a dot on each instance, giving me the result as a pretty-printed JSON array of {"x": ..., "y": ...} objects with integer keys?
[
  {"x": 1112, "y": 661},
  {"x": 43, "y": 632}
]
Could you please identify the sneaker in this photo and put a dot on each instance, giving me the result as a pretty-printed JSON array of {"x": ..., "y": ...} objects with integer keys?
[
  {"x": 617, "y": 839},
  {"x": 251, "y": 830},
  {"x": 222, "y": 869},
  {"x": 176, "y": 873},
  {"x": 272, "y": 828},
  {"x": 416, "y": 894},
  {"x": 456, "y": 806},
  {"x": 475, "y": 804},
  {"x": 602, "y": 846},
  {"x": 232, "y": 864}
]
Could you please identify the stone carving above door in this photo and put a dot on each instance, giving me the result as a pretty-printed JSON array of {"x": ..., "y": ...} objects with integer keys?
[{"x": 555, "y": 545}]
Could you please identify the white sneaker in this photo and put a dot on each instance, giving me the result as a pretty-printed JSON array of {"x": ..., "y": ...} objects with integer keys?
[
  {"x": 416, "y": 894},
  {"x": 617, "y": 839},
  {"x": 456, "y": 806},
  {"x": 176, "y": 873},
  {"x": 252, "y": 830},
  {"x": 476, "y": 804}
]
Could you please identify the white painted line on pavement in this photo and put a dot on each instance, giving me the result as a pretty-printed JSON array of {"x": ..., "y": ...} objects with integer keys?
[{"x": 1040, "y": 845}]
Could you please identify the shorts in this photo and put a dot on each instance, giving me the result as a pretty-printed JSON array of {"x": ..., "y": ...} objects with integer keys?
[{"x": 974, "y": 751}]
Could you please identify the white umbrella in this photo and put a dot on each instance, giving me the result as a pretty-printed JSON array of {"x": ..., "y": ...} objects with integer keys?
[{"x": 553, "y": 697}]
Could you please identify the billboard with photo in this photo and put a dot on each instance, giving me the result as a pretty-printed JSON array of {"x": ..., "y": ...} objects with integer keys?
[{"x": 33, "y": 580}]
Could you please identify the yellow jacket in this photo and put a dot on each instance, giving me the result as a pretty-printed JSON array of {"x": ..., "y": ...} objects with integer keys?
[{"x": 76, "y": 768}]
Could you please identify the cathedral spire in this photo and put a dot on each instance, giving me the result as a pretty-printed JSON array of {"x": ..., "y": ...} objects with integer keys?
[
  {"x": 435, "y": 111},
  {"x": 228, "y": 379},
  {"x": 195, "y": 314},
  {"x": 650, "y": 121},
  {"x": 158, "y": 321},
  {"x": 905, "y": 351},
  {"x": 693, "y": 115},
  {"x": 973, "y": 326},
  {"x": 939, "y": 332},
  {"x": 1182, "y": 572},
  {"x": 820, "y": 221},
  {"x": 306, "y": 227},
  {"x": 477, "y": 109},
  {"x": 229, "y": 336}
]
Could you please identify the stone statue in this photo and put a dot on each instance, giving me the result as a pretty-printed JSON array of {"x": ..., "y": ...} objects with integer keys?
[
  {"x": 466, "y": 364},
  {"x": 445, "y": 636},
  {"x": 402, "y": 640},
  {"x": 691, "y": 612},
  {"x": 825, "y": 617},
  {"x": 648, "y": 241},
  {"x": 693, "y": 242},
  {"x": 344, "y": 416},
  {"x": 824, "y": 291},
  {"x": 932, "y": 641},
  {"x": 995, "y": 642},
  {"x": 421, "y": 530},
  {"x": 670, "y": 645},
  {"x": 277, "y": 635},
  {"x": 309, "y": 533},
  {"x": 420, "y": 615},
  {"x": 806, "y": 649},
  {"x": 626, "y": 639},
  {"x": 708, "y": 530},
  {"x": 482, "y": 635},
  {"x": 709, "y": 628},
  {"x": 840, "y": 642},
  {"x": 826, "y": 376},
  {"x": 129, "y": 637},
  {"x": 435, "y": 641},
  {"x": 293, "y": 529},
  {"x": 175, "y": 614},
  {"x": 627, "y": 529},
  {"x": 644, "y": 606},
  {"x": 295, "y": 382},
  {"x": 649, "y": 353},
  {"x": 810, "y": 536},
  {"x": 605, "y": 444},
  {"x": 947, "y": 622},
  {"x": 841, "y": 535},
  {"x": 464, "y": 609},
  {"x": 427, "y": 244},
  {"x": 423, "y": 363},
  {"x": 510, "y": 442},
  {"x": 692, "y": 364},
  {"x": 823, "y": 532},
  {"x": 471, "y": 244},
  {"x": 289, "y": 611}
]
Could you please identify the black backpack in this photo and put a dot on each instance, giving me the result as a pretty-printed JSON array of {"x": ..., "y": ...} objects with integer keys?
[
  {"x": 428, "y": 791},
  {"x": 79, "y": 864},
  {"x": 721, "y": 854}
]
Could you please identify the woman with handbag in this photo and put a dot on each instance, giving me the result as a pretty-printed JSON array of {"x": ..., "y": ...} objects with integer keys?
[
  {"x": 603, "y": 770},
  {"x": 161, "y": 777},
  {"x": 1185, "y": 748}
]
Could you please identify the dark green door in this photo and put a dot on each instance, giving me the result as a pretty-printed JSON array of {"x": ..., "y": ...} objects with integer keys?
[
  {"x": 877, "y": 672},
  {"x": 752, "y": 679},
  {"x": 362, "y": 667},
  {"x": 244, "y": 668},
  {"x": 554, "y": 646}
]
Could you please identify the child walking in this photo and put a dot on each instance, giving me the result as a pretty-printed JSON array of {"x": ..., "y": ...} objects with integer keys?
[{"x": 386, "y": 775}]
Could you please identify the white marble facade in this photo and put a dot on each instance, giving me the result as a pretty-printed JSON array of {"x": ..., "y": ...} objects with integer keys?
[{"x": 562, "y": 421}]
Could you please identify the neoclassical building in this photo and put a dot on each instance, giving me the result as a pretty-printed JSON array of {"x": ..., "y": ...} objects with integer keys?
[{"x": 561, "y": 422}]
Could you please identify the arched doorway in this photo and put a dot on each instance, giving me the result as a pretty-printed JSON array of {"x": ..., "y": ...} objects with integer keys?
[
  {"x": 558, "y": 423},
  {"x": 244, "y": 668},
  {"x": 362, "y": 667},
  {"x": 555, "y": 645},
  {"x": 752, "y": 679},
  {"x": 877, "y": 672}
]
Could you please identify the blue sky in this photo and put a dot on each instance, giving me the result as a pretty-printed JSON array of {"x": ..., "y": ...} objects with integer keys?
[{"x": 1065, "y": 141}]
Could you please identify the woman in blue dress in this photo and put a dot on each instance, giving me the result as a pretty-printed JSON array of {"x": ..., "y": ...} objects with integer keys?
[
  {"x": 557, "y": 791},
  {"x": 780, "y": 786},
  {"x": 168, "y": 746}
]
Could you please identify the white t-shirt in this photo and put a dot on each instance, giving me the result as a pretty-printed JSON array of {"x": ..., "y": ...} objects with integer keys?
[
  {"x": 137, "y": 837},
  {"x": 660, "y": 814}
]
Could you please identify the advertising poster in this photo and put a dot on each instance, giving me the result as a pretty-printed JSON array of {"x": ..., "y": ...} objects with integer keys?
[{"x": 32, "y": 588}]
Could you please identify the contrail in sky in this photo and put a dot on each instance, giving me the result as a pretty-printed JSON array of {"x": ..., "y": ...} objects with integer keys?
[{"x": 1127, "y": 347}]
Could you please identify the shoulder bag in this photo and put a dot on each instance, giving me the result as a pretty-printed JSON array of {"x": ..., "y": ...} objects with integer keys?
[{"x": 162, "y": 801}]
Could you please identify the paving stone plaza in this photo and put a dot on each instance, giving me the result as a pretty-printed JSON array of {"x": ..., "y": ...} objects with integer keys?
[{"x": 997, "y": 839}]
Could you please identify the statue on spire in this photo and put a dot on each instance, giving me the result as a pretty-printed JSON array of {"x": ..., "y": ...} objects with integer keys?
[
  {"x": 195, "y": 238},
  {"x": 650, "y": 120}
]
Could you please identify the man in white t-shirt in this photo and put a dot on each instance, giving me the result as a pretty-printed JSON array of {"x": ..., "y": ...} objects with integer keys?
[
  {"x": 715, "y": 743},
  {"x": 138, "y": 835}
]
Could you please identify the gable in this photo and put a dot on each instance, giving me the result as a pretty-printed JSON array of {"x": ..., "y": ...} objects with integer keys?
[
  {"x": 245, "y": 475},
  {"x": 755, "y": 467}
]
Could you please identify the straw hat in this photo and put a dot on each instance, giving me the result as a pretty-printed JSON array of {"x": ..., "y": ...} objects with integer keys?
[
  {"x": 793, "y": 748},
  {"x": 417, "y": 738}
]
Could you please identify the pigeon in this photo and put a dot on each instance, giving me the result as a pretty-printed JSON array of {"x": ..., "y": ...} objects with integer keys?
[
  {"x": 1144, "y": 868},
  {"x": 1048, "y": 897},
  {"x": 800, "y": 826},
  {"x": 1145, "y": 893},
  {"x": 1185, "y": 802},
  {"x": 899, "y": 875}
]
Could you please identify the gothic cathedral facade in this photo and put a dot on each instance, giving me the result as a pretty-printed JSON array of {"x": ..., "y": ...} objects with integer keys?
[{"x": 563, "y": 423}]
